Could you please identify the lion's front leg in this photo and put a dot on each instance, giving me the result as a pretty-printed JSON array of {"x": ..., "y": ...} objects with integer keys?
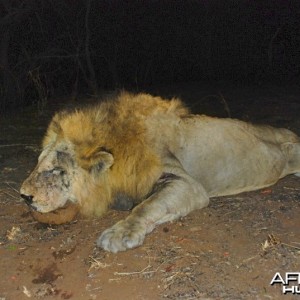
[{"x": 174, "y": 195}]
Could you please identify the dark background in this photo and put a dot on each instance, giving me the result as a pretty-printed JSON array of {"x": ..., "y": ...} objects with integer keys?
[{"x": 51, "y": 48}]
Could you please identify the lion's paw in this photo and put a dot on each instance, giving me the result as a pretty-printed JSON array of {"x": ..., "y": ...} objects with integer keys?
[{"x": 122, "y": 236}]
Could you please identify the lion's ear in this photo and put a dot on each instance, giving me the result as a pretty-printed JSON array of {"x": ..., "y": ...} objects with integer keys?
[
  {"x": 102, "y": 161},
  {"x": 96, "y": 161}
]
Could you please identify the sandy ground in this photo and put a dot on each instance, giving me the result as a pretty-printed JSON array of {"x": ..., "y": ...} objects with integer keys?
[{"x": 230, "y": 250}]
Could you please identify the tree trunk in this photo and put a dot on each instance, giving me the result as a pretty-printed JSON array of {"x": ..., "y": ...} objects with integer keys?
[{"x": 92, "y": 76}]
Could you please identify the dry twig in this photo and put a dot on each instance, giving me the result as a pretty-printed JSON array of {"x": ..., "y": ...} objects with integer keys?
[
  {"x": 96, "y": 264},
  {"x": 136, "y": 272},
  {"x": 17, "y": 145},
  {"x": 15, "y": 190}
]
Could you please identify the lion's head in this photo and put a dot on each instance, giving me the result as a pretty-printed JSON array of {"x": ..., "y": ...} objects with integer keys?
[
  {"x": 69, "y": 170},
  {"x": 99, "y": 156}
]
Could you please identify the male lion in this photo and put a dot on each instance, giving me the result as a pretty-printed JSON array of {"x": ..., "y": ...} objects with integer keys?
[{"x": 151, "y": 154}]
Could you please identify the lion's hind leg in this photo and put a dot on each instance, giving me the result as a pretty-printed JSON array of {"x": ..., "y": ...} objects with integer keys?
[
  {"x": 175, "y": 195},
  {"x": 292, "y": 151}
]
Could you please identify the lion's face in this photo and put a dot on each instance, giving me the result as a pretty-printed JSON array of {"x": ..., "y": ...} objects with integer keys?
[
  {"x": 50, "y": 185},
  {"x": 66, "y": 173}
]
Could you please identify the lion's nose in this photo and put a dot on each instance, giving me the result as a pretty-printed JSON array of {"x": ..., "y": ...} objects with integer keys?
[{"x": 28, "y": 199}]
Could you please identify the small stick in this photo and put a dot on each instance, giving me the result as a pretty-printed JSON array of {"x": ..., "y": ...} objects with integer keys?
[
  {"x": 12, "y": 187},
  {"x": 226, "y": 107},
  {"x": 135, "y": 273},
  {"x": 8, "y": 194},
  {"x": 291, "y": 246},
  {"x": 17, "y": 145}
]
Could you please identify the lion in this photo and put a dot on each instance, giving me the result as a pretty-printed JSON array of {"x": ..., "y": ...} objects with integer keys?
[{"x": 152, "y": 156}]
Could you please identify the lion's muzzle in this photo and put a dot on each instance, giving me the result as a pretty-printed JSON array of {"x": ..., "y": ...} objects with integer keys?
[{"x": 28, "y": 199}]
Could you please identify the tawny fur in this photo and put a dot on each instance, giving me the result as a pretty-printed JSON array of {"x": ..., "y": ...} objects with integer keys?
[
  {"x": 119, "y": 126},
  {"x": 154, "y": 153}
]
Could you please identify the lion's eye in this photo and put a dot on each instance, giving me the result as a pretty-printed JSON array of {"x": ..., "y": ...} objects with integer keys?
[{"x": 57, "y": 171}]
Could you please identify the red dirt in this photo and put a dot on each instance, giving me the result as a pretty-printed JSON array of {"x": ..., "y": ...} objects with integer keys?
[{"x": 230, "y": 250}]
